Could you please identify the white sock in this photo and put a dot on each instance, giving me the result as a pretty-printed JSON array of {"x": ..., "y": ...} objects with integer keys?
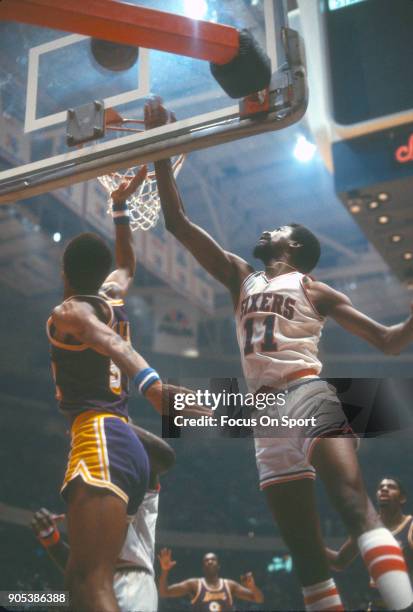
[
  {"x": 322, "y": 596},
  {"x": 386, "y": 565}
]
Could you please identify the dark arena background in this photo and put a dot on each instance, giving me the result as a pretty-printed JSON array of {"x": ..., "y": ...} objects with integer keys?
[{"x": 345, "y": 170}]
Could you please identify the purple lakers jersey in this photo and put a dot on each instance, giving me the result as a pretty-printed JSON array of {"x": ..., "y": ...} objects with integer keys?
[
  {"x": 85, "y": 379},
  {"x": 212, "y": 599}
]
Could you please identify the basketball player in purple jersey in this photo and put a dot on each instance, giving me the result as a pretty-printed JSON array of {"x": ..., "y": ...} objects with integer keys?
[
  {"x": 210, "y": 593},
  {"x": 134, "y": 579},
  {"x": 107, "y": 472},
  {"x": 391, "y": 497},
  {"x": 280, "y": 313}
]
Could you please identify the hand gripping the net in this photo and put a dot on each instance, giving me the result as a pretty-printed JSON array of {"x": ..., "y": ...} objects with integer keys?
[{"x": 144, "y": 204}]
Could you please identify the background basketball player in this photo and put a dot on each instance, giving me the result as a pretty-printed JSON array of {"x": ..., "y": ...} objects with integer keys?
[
  {"x": 280, "y": 313},
  {"x": 134, "y": 580},
  {"x": 391, "y": 497},
  {"x": 210, "y": 593}
]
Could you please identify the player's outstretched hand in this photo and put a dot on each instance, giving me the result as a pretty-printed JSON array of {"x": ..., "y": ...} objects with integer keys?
[
  {"x": 165, "y": 560},
  {"x": 155, "y": 113},
  {"x": 44, "y": 521},
  {"x": 127, "y": 187},
  {"x": 247, "y": 580}
]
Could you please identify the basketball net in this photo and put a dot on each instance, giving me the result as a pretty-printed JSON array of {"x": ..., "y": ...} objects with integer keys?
[{"x": 144, "y": 205}]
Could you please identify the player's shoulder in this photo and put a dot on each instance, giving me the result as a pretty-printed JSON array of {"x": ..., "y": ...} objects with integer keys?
[
  {"x": 71, "y": 313},
  {"x": 244, "y": 269}
]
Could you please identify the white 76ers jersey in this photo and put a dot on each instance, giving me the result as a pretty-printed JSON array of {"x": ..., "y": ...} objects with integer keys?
[{"x": 278, "y": 329}]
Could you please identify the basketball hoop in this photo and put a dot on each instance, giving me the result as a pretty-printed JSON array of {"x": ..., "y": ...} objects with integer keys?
[{"x": 144, "y": 205}]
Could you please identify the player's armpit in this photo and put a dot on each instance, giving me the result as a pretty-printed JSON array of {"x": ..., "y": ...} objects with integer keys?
[{"x": 248, "y": 594}]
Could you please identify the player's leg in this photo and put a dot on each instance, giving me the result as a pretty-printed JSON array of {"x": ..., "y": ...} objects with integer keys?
[
  {"x": 294, "y": 509},
  {"x": 96, "y": 530},
  {"x": 335, "y": 460}
]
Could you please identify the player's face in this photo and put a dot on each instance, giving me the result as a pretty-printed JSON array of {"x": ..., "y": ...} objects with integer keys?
[
  {"x": 210, "y": 564},
  {"x": 273, "y": 244},
  {"x": 388, "y": 492}
]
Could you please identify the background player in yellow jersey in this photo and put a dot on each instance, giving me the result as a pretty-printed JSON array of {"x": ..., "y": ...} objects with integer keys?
[
  {"x": 280, "y": 312},
  {"x": 210, "y": 593},
  {"x": 108, "y": 470}
]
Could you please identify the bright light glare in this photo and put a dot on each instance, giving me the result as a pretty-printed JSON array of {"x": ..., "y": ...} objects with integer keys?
[
  {"x": 304, "y": 150},
  {"x": 57, "y": 236},
  {"x": 196, "y": 9}
]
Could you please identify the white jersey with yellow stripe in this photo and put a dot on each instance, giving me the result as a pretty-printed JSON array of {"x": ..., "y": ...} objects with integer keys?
[{"x": 278, "y": 330}]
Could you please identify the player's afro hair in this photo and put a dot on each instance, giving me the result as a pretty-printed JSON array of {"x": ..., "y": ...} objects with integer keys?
[
  {"x": 306, "y": 257},
  {"x": 87, "y": 261}
]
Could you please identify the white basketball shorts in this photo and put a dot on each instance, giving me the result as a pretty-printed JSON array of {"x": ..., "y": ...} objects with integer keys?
[
  {"x": 135, "y": 591},
  {"x": 283, "y": 452}
]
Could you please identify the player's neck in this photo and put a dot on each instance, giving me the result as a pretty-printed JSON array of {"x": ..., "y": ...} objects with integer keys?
[
  {"x": 212, "y": 580},
  {"x": 275, "y": 268},
  {"x": 69, "y": 292},
  {"x": 392, "y": 517}
]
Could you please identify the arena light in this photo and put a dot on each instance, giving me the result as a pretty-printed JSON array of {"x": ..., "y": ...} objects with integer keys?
[
  {"x": 304, "y": 150},
  {"x": 57, "y": 236},
  {"x": 373, "y": 204},
  {"x": 195, "y": 9},
  {"x": 408, "y": 255},
  {"x": 383, "y": 196},
  {"x": 191, "y": 353},
  {"x": 355, "y": 209},
  {"x": 383, "y": 219},
  {"x": 396, "y": 238}
]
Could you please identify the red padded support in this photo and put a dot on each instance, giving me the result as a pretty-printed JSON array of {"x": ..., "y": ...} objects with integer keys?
[{"x": 129, "y": 24}]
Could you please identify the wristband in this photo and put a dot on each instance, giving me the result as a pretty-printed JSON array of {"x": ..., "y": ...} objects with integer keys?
[
  {"x": 145, "y": 379},
  {"x": 119, "y": 206},
  {"x": 49, "y": 537}
]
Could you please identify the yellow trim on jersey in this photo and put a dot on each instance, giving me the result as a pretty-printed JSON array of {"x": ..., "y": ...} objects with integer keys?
[
  {"x": 198, "y": 592},
  {"x": 410, "y": 535},
  {"x": 402, "y": 525},
  {"x": 88, "y": 456},
  {"x": 229, "y": 593}
]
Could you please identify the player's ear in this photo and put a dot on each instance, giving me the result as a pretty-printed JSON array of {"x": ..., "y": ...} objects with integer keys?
[{"x": 294, "y": 244}]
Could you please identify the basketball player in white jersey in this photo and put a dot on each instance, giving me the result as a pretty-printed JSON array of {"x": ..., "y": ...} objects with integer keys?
[
  {"x": 280, "y": 312},
  {"x": 134, "y": 579}
]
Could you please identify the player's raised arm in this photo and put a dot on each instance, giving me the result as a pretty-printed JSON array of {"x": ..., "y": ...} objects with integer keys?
[
  {"x": 248, "y": 590},
  {"x": 118, "y": 282},
  {"x": 388, "y": 339},
  {"x": 227, "y": 268},
  {"x": 180, "y": 589}
]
